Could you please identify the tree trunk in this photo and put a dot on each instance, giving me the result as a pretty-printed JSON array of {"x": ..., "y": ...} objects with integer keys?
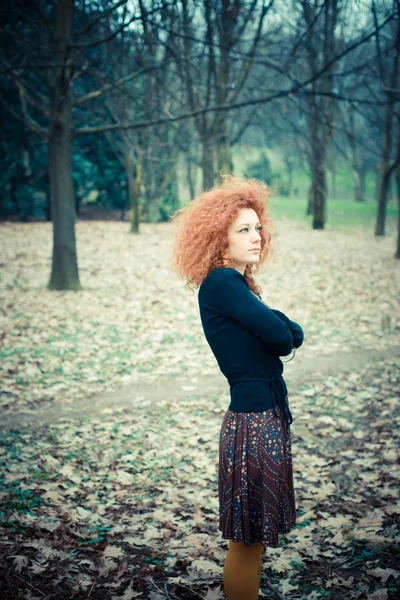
[
  {"x": 132, "y": 203},
  {"x": 64, "y": 272},
  {"x": 125, "y": 206},
  {"x": 397, "y": 255},
  {"x": 318, "y": 176},
  {"x": 290, "y": 179},
  {"x": 384, "y": 179},
  {"x": 224, "y": 152},
  {"x": 154, "y": 201},
  {"x": 190, "y": 167},
  {"x": 77, "y": 205},
  {"x": 310, "y": 200},
  {"x": 362, "y": 175},
  {"x": 356, "y": 161},
  {"x": 153, "y": 209},
  {"x": 334, "y": 185},
  {"x": 48, "y": 207},
  {"x": 319, "y": 196},
  {"x": 321, "y": 115},
  {"x": 382, "y": 200},
  {"x": 377, "y": 181},
  {"x": 207, "y": 163},
  {"x": 358, "y": 193},
  {"x": 134, "y": 184}
]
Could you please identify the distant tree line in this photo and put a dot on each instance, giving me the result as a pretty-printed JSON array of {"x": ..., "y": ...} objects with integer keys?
[{"x": 116, "y": 101}]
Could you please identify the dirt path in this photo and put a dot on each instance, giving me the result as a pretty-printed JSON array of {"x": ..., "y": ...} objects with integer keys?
[{"x": 300, "y": 372}]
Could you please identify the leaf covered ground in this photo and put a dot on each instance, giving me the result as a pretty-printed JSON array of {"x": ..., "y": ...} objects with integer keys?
[
  {"x": 134, "y": 320},
  {"x": 123, "y": 504}
]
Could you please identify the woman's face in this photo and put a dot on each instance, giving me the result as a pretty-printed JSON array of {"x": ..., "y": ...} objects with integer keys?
[{"x": 244, "y": 239}]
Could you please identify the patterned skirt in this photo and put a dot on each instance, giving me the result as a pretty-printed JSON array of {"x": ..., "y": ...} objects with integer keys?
[{"x": 255, "y": 482}]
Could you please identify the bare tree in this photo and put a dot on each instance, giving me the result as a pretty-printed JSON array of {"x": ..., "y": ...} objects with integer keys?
[
  {"x": 389, "y": 70},
  {"x": 358, "y": 174},
  {"x": 320, "y": 45},
  {"x": 205, "y": 36},
  {"x": 397, "y": 255},
  {"x": 57, "y": 60},
  {"x": 148, "y": 157},
  {"x": 214, "y": 60},
  {"x": 64, "y": 269}
]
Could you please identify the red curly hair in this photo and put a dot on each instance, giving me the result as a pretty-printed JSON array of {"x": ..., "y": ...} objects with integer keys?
[{"x": 201, "y": 236}]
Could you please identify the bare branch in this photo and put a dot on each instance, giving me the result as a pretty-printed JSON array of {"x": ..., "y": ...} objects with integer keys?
[
  {"x": 268, "y": 62},
  {"x": 43, "y": 18},
  {"x": 223, "y": 107},
  {"x": 24, "y": 94},
  {"x": 113, "y": 34},
  {"x": 30, "y": 123},
  {"x": 24, "y": 97},
  {"x": 40, "y": 103},
  {"x": 251, "y": 55},
  {"x": 306, "y": 32},
  {"x": 30, "y": 66},
  {"x": 118, "y": 83},
  {"x": 378, "y": 45},
  {"x": 106, "y": 13}
]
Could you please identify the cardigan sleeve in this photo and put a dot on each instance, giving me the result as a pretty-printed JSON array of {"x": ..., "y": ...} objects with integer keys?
[
  {"x": 228, "y": 294},
  {"x": 296, "y": 330}
]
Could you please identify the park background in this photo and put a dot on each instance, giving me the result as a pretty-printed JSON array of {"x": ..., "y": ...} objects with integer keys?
[{"x": 114, "y": 115}]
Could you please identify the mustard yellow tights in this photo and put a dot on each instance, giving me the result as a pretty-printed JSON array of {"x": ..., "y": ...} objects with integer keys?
[{"x": 242, "y": 571}]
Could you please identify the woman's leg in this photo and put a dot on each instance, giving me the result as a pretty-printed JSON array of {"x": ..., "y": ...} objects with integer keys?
[{"x": 242, "y": 570}]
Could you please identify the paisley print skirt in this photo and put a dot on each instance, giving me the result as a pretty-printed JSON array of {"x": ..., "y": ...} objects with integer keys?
[{"x": 255, "y": 481}]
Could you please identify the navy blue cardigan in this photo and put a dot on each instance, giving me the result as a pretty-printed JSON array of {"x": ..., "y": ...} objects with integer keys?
[{"x": 247, "y": 338}]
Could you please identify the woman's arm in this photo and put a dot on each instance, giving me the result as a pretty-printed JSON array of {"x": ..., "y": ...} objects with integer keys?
[
  {"x": 229, "y": 295},
  {"x": 297, "y": 332}
]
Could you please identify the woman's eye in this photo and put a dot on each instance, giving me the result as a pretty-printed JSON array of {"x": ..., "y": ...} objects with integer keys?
[{"x": 245, "y": 228}]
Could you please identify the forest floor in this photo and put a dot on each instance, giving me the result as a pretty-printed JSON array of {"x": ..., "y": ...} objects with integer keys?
[{"x": 108, "y": 394}]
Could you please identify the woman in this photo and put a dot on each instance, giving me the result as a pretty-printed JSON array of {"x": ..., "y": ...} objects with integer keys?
[{"x": 222, "y": 239}]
